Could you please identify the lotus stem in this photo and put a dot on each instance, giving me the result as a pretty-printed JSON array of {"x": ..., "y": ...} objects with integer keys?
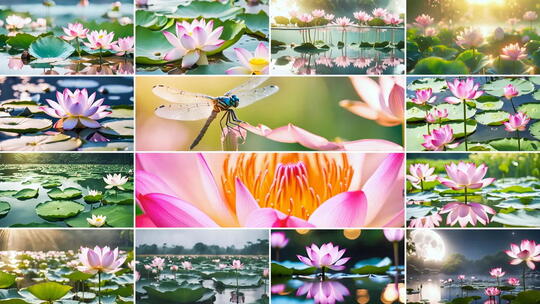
[
  {"x": 422, "y": 185},
  {"x": 523, "y": 276},
  {"x": 513, "y": 106},
  {"x": 323, "y": 274},
  {"x": 465, "y": 123},
  {"x": 465, "y": 190},
  {"x": 237, "y": 293},
  {"x": 518, "y": 140},
  {"x": 100, "y": 57},
  {"x": 277, "y": 254},
  {"x": 396, "y": 258},
  {"x": 78, "y": 46},
  {"x": 99, "y": 287}
]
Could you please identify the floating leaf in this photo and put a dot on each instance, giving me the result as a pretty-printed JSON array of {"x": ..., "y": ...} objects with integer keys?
[
  {"x": 151, "y": 46},
  {"x": 152, "y": 20},
  {"x": 181, "y": 295},
  {"x": 121, "y": 111},
  {"x": 51, "y": 184},
  {"x": 532, "y": 109},
  {"x": 370, "y": 269},
  {"x": 92, "y": 199},
  {"x": 229, "y": 279},
  {"x": 24, "y": 124},
  {"x": 21, "y": 41},
  {"x": 120, "y": 128},
  {"x": 78, "y": 276},
  {"x": 257, "y": 24},
  {"x": 280, "y": 270},
  {"x": 49, "y": 291},
  {"x": 517, "y": 204},
  {"x": 516, "y": 188},
  {"x": 416, "y": 112},
  {"x": 474, "y": 60},
  {"x": 309, "y": 48},
  {"x": 6, "y": 279},
  {"x": 51, "y": 47},
  {"x": 489, "y": 103},
  {"x": 5, "y": 207},
  {"x": 66, "y": 194},
  {"x": 34, "y": 225},
  {"x": 120, "y": 198},
  {"x": 26, "y": 193},
  {"x": 496, "y": 87},
  {"x": 117, "y": 216},
  {"x": 511, "y": 144},
  {"x": 535, "y": 130},
  {"x": 492, "y": 118},
  {"x": 206, "y": 10},
  {"x": 437, "y": 85},
  {"x": 436, "y": 65},
  {"x": 519, "y": 218},
  {"x": 25, "y": 105},
  {"x": 455, "y": 111},
  {"x": 57, "y": 210},
  {"x": 58, "y": 142}
]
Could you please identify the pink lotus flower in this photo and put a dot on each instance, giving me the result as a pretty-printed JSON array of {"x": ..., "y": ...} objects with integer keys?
[
  {"x": 100, "y": 259},
  {"x": 124, "y": 46},
  {"x": 258, "y": 190},
  {"x": 394, "y": 235},
  {"x": 465, "y": 175},
  {"x": 392, "y": 19},
  {"x": 222, "y": 266},
  {"x": 318, "y": 13},
  {"x": 187, "y": 265},
  {"x": 430, "y": 221},
  {"x": 470, "y": 38},
  {"x": 510, "y": 91},
  {"x": 431, "y": 32},
  {"x": 15, "y": 63},
  {"x": 420, "y": 173},
  {"x": 192, "y": 41},
  {"x": 513, "y": 281},
  {"x": 497, "y": 272},
  {"x": 530, "y": 16},
  {"x": 463, "y": 90},
  {"x": 362, "y": 16},
  {"x": 436, "y": 115},
  {"x": 343, "y": 22},
  {"x": 383, "y": 102},
  {"x": 342, "y": 61},
  {"x": 266, "y": 272},
  {"x": 278, "y": 288},
  {"x": 424, "y": 96},
  {"x": 252, "y": 64},
  {"x": 323, "y": 292},
  {"x": 100, "y": 40},
  {"x": 327, "y": 256},
  {"x": 514, "y": 52},
  {"x": 465, "y": 213},
  {"x": 174, "y": 268},
  {"x": 329, "y": 17},
  {"x": 528, "y": 252},
  {"x": 158, "y": 262},
  {"x": 492, "y": 291},
  {"x": 423, "y": 21},
  {"x": 279, "y": 240},
  {"x": 440, "y": 139},
  {"x": 74, "y": 30},
  {"x": 517, "y": 122},
  {"x": 513, "y": 21},
  {"x": 461, "y": 277},
  {"x": 76, "y": 109},
  {"x": 362, "y": 62},
  {"x": 306, "y": 18},
  {"x": 237, "y": 265},
  {"x": 379, "y": 12}
]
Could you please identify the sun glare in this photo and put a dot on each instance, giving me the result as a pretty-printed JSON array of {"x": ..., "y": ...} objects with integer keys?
[
  {"x": 429, "y": 245},
  {"x": 486, "y": 2},
  {"x": 283, "y": 7}
]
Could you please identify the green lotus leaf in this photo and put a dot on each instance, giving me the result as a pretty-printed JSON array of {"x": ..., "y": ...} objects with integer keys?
[
  {"x": 88, "y": 296},
  {"x": 416, "y": 112},
  {"x": 446, "y": 52},
  {"x": 280, "y": 270},
  {"x": 51, "y": 47},
  {"x": 15, "y": 104},
  {"x": 151, "y": 46},
  {"x": 212, "y": 69},
  {"x": 21, "y": 41},
  {"x": 489, "y": 103},
  {"x": 58, "y": 210},
  {"x": 49, "y": 291},
  {"x": 415, "y": 132},
  {"x": 437, "y": 85},
  {"x": 59, "y": 142},
  {"x": 6, "y": 279},
  {"x": 436, "y": 65},
  {"x": 535, "y": 130},
  {"x": 206, "y": 10},
  {"x": 121, "y": 111},
  {"x": 516, "y": 188},
  {"x": 118, "y": 128},
  {"x": 5, "y": 207},
  {"x": 78, "y": 276},
  {"x": 521, "y": 218},
  {"x": 257, "y": 24},
  {"x": 371, "y": 269},
  {"x": 18, "y": 124},
  {"x": 496, "y": 88},
  {"x": 244, "y": 280},
  {"x": 119, "y": 198},
  {"x": 517, "y": 204},
  {"x": 120, "y": 31},
  {"x": 152, "y": 20},
  {"x": 527, "y": 297},
  {"x": 51, "y": 184},
  {"x": 309, "y": 48},
  {"x": 532, "y": 109},
  {"x": 38, "y": 225},
  {"x": 475, "y": 61},
  {"x": 232, "y": 32},
  {"x": 26, "y": 193},
  {"x": 492, "y": 118},
  {"x": 180, "y": 295},
  {"x": 66, "y": 194},
  {"x": 509, "y": 67},
  {"x": 107, "y": 146},
  {"x": 92, "y": 199},
  {"x": 455, "y": 111},
  {"x": 511, "y": 144},
  {"x": 117, "y": 216}
]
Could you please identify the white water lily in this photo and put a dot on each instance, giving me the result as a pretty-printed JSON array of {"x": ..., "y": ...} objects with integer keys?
[
  {"x": 115, "y": 180},
  {"x": 94, "y": 192},
  {"x": 96, "y": 220}
]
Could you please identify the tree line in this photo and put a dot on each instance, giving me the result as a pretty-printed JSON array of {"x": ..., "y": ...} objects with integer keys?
[{"x": 251, "y": 248}]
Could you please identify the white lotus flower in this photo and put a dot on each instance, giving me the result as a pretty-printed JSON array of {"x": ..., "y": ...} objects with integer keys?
[
  {"x": 96, "y": 220},
  {"x": 115, "y": 180}
]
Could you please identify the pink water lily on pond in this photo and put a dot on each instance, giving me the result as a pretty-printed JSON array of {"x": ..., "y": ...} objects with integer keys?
[
  {"x": 187, "y": 265},
  {"x": 463, "y": 90},
  {"x": 76, "y": 109},
  {"x": 492, "y": 291},
  {"x": 430, "y": 221},
  {"x": 100, "y": 40},
  {"x": 497, "y": 272},
  {"x": 237, "y": 265},
  {"x": 436, "y": 115},
  {"x": 323, "y": 292},
  {"x": 252, "y": 64},
  {"x": 424, "y": 96},
  {"x": 510, "y": 91},
  {"x": 379, "y": 12},
  {"x": 514, "y": 52},
  {"x": 420, "y": 173},
  {"x": 327, "y": 256},
  {"x": 74, "y": 30},
  {"x": 517, "y": 122},
  {"x": 362, "y": 16},
  {"x": 343, "y": 22},
  {"x": 100, "y": 259},
  {"x": 124, "y": 45},
  {"x": 528, "y": 252},
  {"x": 306, "y": 18},
  {"x": 270, "y": 190},
  {"x": 466, "y": 175},
  {"x": 423, "y": 21},
  {"x": 464, "y": 213},
  {"x": 383, "y": 101},
  {"x": 470, "y": 38},
  {"x": 392, "y": 19},
  {"x": 318, "y": 13},
  {"x": 440, "y": 139},
  {"x": 513, "y": 281}
]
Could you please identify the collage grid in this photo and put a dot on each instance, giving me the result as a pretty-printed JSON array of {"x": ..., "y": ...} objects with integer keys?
[{"x": 398, "y": 162}]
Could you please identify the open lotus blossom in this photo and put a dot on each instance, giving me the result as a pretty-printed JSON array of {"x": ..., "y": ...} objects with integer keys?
[
  {"x": 74, "y": 30},
  {"x": 464, "y": 213},
  {"x": 379, "y": 12},
  {"x": 513, "y": 281},
  {"x": 76, "y": 109},
  {"x": 115, "y": 181},
  {"x": 514, "y": 52},
  {"x": 222, "y": 266},
  {"x": 424, "y": 96},
  {"x": 430, "y": 221},
  {"x": 492, "y": 291},
  {"x": 440, "y": 139},
  {"x": 343, "y": 22},
  {"x": 15, "y": 22},
  {"x": 510, "y": 91},
  {"x": 423, "y": 21},
  {"x": 394, "y": 235},
  {"x": 100, "y": 259},
  {"x": 528, "y": 252},
  {"x": 295, "y": 134},
  {"x": 323, "y": 292},
  {"x": 187, "y": 265},
  {"x": 318, "y": 13},
  {"x": 362, "y": 16},
  {"x": 470, "y": 38},
  {"x": 100, "y": 40},
  {"x": 124, "y": 46},
  {"x": 329, "y": 17},
  {"x": 252, "y": 64},
  {"x": 279, "y": 240},
  {"x": 530, "y": 16},
  {"x": 306, "y": 18},
  {"x": 94, "y": 192},
  {"x": 436, "y": 115},
  {"x": 237, "y": 265},
  {"x": 517, "y": 122},
  {"x": 192, "y": 41},
  {"x": 270, "y": 190},
  {"x": 327, "y": 256},
  {"x": 497, "y": 272},
  {"x": 463, "y": 90},
  {"x": 466, "y": 175},
  {"x": 383, "y": 101},
  {"x": 158, "y": 262},
  {"x": 97, "y": 220},
  {"x": 421, "y": 173},
  {"x": 392, "y": 19},
  {"x": 431, "y": 32}
]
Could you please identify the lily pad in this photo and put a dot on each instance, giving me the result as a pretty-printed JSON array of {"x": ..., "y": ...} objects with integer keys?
[
  {"x": 26, "y": 105},
  {"x": 151, "y": 20},
  {"x": 535, "y": 130},
  {"x": 206, "y": 10},
  {"x": 119, "y": 128},
  {"x": 489, "y": 103},
  {"x": 58, "y": 210},
  {"x": 5, "y": 207},
  {"x": 66, "y": 194},
  {"x": 119, "y": 198},
  {"x": 21, "y": 41},
  {"x": 181, "y": 295},
  {"x": 520, "y": 218},
  {"x": 437, "y": 85},
  {"x": 121, "y": 111},
  {"x": 36, "y": 225},
  {"x": 6, "y": 279},
  {"x": 496, "y": 87},
  {"x": 51, "y": 184},
  {"x": 435, "y": 65},
  {"x": 532, "y": 109},
  {"x": 370, "y": 269},
  {"x": 51, "y": 47},
  {"x": 511, "y": 144},
  {"x": 59, "y": 142},
  {"x": 49, "y": 291},
  {"x": 24, "y": 124},
  {"x": 492, "y": 118},
  {"x": 229, "y": 279},
  {"x": 151, "y": 46},
  {"x": 117, "y": 216},
  {"x": 280, "y": 270},
  {"x": 416, "y": 112},
  {"x": 455, "y": 111},
  {"x": 309, "y": 48},
  {"x": 92, "y": 199},
  {"x": 26, "y": 193},
  {"x": 257, "y": 24}
]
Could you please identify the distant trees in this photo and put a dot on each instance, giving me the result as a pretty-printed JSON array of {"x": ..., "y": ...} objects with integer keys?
[
  {"x": 66, "y": 158},
  {"x": 256, "y": 248}
]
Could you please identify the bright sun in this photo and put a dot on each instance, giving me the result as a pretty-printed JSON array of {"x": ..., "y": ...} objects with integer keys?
[
  {"x": 486, "y": 2},
  {"x": 429, "y": 245}
]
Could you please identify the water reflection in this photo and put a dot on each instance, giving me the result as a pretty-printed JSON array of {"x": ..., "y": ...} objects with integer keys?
[{"x": 323, "y": 291}]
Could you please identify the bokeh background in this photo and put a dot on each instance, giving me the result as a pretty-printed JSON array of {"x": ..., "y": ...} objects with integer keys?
[{"x": 308, "y": 102}]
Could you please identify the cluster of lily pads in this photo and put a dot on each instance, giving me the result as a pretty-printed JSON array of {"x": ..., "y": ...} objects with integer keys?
[
  {"x": 438, "y": 47},
  {"x": 79, "y": 47},
  {"x": 202, "y": 279},
  {"x": 202, "y": 37},
  {"x": 53, "y": 114},
  {"x": 73, "y": 195},
  {"x": 473, "y": 114},
  {"x": 64, "y": 277},
  {"x": 494, "y": 190}
]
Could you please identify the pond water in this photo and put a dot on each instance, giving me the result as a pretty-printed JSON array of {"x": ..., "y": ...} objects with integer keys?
[
  {"x": 372, "y": 51},
  {"x": 83, "y": 177}
]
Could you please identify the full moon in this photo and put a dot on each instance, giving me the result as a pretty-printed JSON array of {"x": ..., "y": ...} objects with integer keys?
[{"x": 429, "y": 245}]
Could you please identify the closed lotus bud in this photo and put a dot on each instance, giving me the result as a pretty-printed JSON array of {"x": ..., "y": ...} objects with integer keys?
[{"x": 499, "y": 34}]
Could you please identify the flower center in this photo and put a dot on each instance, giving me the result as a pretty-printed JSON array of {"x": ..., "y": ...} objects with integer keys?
[
  {"x": 258, "y": 61},
  {"x": 293, "y": 183}
]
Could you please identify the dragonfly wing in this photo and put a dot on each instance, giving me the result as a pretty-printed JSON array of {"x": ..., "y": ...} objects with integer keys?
[
  {"x": 250, "y": 84},
  {"x": 184, "y": 111},
  {"x": 249, "y": 97},
  {"x": 180, "y": 96}
]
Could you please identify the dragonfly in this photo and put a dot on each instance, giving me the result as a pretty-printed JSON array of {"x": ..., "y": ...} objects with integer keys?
[{"x": 196, "y": 106}]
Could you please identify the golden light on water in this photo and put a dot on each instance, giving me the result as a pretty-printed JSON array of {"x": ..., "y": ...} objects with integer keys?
[
  {"x": 486, "y": 2},
  {"x": 283, "y": 7},
  {"x": 302, "y": 231},
  {"x": 352, "y": 234},
  {"x": 392, "y": 293},
  {"x": 28, "y": 239},
  {"x": 362, "y": 296}
]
